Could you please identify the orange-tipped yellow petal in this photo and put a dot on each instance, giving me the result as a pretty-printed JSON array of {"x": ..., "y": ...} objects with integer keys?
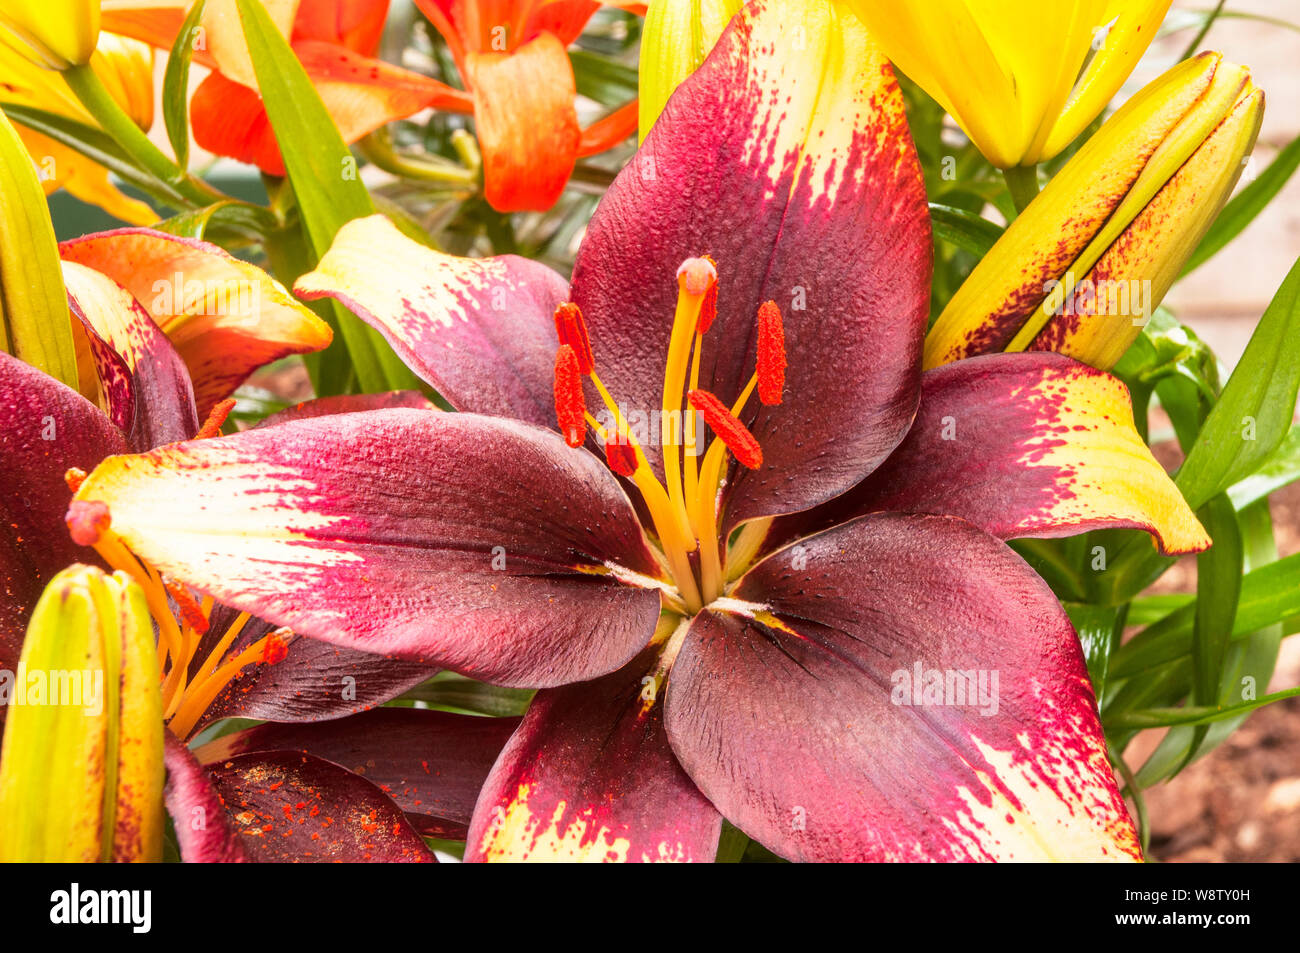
[{"x": 224, "y": 316}]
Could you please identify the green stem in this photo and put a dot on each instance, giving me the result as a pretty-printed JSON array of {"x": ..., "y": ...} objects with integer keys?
[
  {"x": 1022, "y": 180},
  {"x": 89, "y": 88},
  {"x": 378, "y": 148}
]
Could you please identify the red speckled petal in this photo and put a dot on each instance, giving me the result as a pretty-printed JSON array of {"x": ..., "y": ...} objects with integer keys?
[
  {"x": 786, "y": 158},
  {"x": 288, "y": 807},
  {"x": 899, "y": 688},
  {"x": 124, "y": 339},
  {"x": 1022, "y": 445},
  {"x": 225, "y": 317},
  {"x": 315, "y": 681},
  {"x": 431, "y": 763},
  {"x": 45, "y": 429},
  {"x": 475, "y": 543},
  {"x": 589, "y": 776},
  {"x": 480, "y": 331}
]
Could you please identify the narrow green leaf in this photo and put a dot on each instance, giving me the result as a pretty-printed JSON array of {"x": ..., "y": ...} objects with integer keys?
[
  {"x": 1269, "y": 594},
  {"x": 176, "y": 87},
  {"x": 1099, "y": 628},
  {"x": 1218, "y": 587},
  {"x": 602, "y": 79},
  {"x": 447, "y": 690},
  {"x": 1279, "y": 470},
  {"x": 1196, "y": 715},
  {"x": 324, "y": 177},
  {"x": 1246, "y": 204},
  {"x": 1254, "y": 412},
  {"x": 34, "y": 321},
  {"x": 966, "y": 230}
]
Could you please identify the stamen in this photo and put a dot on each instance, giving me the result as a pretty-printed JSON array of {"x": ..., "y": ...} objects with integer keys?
[
  {"x": 191, "y": 614},
  {"x": 771, "y": 354},
  {"x": 87, "y": 521},
  {"x": 727, "y": 426},
  {"x": 621, "y": 458},
  {"x": 199, "y": 697},
  {"x": 571, "y": 328},
  {"x": 709, "y": 308},
  {"x": 570, "y": 405},
  {"x": 216, "y": 419}
]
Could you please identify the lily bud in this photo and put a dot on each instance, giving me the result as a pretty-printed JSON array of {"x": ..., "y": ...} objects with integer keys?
[
  {"x": 1021, "y": 77},
  {"x": 81, "y": 770},
  {"x": 56, "y": 34},
  {"x": 677, "y": 36},
  {"x": 1087, "y": 263}
]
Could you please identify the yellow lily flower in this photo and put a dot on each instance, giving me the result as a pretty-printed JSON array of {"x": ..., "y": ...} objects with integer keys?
[
  {"x": 126, "y": 68},
  {"x": 1021, "y": 77},
  {"x": 1090, "y": 259},
  {"x": 54, "y": 34},
  {"x": 81, "y": 777},
  {"x": 676, "y": 39}
]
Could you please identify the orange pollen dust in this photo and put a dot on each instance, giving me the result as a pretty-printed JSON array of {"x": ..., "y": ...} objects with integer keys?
[
  {"x": 728, "y": 427},
  {"x": 216, "y": 419},
  {"x": 570, "y": 405},
  {"x": 74, "y": 478}
]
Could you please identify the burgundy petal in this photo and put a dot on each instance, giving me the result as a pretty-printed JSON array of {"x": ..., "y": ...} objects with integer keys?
[
  {"x": 474, "y": 543},
  {"x": 796, "y": 715},
  {"x": 288, "y": 807},
  {"x": 431, "y": 763},
  {"x": 589, "y": 776},
  {"x": 118, "y": 326},
  {"x": 786, "y": 158},
  {"x": 1021, "y": 445},
  {"x": 45, "y": 429},
  {"x": 479, "y": 331},
  {"x": 314, "y": 681},
  {"x": 203, "y": 830}
]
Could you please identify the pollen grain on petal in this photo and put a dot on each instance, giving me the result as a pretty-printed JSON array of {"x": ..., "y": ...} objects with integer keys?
[
  {"x": 74, "y": 477},
  {"x": 771, "y": 354},
  {"x": 571, "y": 328},
  {"x": 570, "y": 405},
  {"x": 728, "y": 427},
  {"x": 87, "y": 521}
]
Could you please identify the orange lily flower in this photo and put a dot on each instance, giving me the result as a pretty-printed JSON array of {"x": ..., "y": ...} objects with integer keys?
[
  {"x": 334, "y": 39},
  {"x": 512, "y": 56}
]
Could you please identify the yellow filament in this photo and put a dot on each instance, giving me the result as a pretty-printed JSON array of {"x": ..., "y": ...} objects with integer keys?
[
  {"x": 679, "y": 352},
  {"x": 116, "y": 554},
  {"x": 203, "y": 693}
]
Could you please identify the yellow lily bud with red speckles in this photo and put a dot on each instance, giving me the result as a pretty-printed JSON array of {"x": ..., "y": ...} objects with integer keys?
[
  {"x": 1089, "y": 260},
  {"x": 81, "y": 770},
  {"x": 677, "y": 37}
]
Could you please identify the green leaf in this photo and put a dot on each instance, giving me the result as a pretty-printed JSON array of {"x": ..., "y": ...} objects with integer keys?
[
  {"x": 34, "y": 322},
  {"x": 1269, "y": 594},
  {"x": 1279, "y": 470},
  {"x": 1099, "y": 628},
  {"x": 1254, "y": 412},
  {"x": 1245, "y": 205},
  {"x": 176, "y": 86},
  {"x": 966, "y": 230},
  {"x": 602, "y": 79},
  {"x": 452, "y": 692},
  {"x": 1196, "y": 715},
  {"x": 1218, "y": 587},
  {"x": 248, "y": 223},
  {"x": 328, "y": 190},
  {"x": 96, "y": 145}
]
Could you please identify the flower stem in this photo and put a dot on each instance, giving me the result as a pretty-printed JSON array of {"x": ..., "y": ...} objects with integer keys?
[
  {"x": 1022, "y": 180},
  {"x": 90, "y": 89}
]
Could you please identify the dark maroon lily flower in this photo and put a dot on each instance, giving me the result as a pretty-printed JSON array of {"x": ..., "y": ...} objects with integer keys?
[{"x": 874, "y": 675}]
